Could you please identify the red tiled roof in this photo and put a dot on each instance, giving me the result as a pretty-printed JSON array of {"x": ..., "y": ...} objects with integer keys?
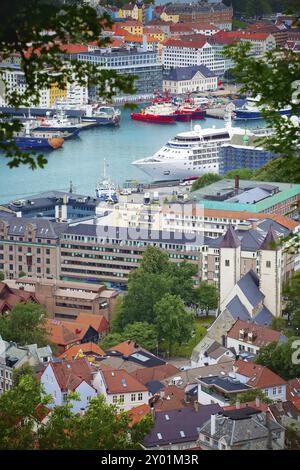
[
  {"x": 138, "y": 413},
  {"x": 171, "y": 398},
  {"x": 98, "y": 322},
  {"x": 262, "y": 335},
  {"x": 250, "y": 35},
  {"x": 10, "y": 297},
  {"x": 70, "y": 374},
  {"x": 86, "y": 349},
  {"x": 120, "y": 381},
  {"x": 182, "y": 41},
  {"x": 126, "y": 348},
  {"x": 162, "y": 372},
  {"x": 252, "y": 404},
  {"x": 258, "y": 376}
]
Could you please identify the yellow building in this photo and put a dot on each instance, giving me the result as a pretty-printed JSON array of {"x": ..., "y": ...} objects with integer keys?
[
  {"x": 56, "y": 93},
  {"x": 133, "y": 27},
  {"x": 173, "y": 18}
]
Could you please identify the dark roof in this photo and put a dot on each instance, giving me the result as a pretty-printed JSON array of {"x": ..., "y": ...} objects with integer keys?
[
  {"x": 230, "y": 239},
  {"x": 249, "y": 285},
  {"x": 187, "y": 73},
  {"x": 269, "y": 242},
  {"x": 228, "y": 384},
  {"x": 154, "y": 386},
  {"x": 284, "y": 409},
  {"x": 179, "y": 425},
  {"x": 264, "y": 317},
  {"x": 237, "y": 309},
  {"x": 145, "y": 359},
  {"x": 44, "y": 227},
  {"x": 241, "y": 413}
]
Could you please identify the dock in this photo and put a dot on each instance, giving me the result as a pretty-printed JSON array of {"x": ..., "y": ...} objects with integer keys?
[{"x": 216, "y": 113}]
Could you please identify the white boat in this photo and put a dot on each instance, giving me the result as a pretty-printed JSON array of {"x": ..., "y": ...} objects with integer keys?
[
  {"x": 189, "y": 154},
  {"x": 59, "y": 122},
  {"x": 105, "y": 189}
]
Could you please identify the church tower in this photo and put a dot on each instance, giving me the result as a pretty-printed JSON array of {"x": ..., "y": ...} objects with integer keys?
[
  {"x": 230, "y": 263},
  {"x": 270, "y": 272}
]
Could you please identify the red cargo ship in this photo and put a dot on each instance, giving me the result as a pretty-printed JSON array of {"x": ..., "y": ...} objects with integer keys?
[{"x": 160, "y": 113}]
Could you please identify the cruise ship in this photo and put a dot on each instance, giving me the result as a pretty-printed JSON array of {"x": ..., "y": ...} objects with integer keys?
[{"x": 191, "y": 154}]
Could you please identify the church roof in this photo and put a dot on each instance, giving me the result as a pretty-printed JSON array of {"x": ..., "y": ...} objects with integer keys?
[
  {"x": 269, "y": 242},
  {"x": 230, "y": 239}
]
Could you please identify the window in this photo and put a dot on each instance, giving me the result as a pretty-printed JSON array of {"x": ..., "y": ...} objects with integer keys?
[
  {"x": 266, "y": 391},
  {"x": 279, "y": 389},
  {"x": 140, "y": 396},
  {"x": 268, "y": 264},
  {"x": 274, "y": 391},
  {"x": 115, "y": 399},
  {"x": 121, "y": 398},
  {"x": 227, "y": 262},
  {"x": 133, "y": 397}
]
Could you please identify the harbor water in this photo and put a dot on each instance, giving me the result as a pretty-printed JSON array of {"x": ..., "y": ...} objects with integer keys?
[{"x": 81, "y": 159}]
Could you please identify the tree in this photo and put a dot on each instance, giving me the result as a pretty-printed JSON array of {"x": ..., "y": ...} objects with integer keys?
[
  {"x": 281, "y": 358},
  {"x": 205, "y": 180},
  {"x": 110, "y": 340},
  {"x": 18, "y": 414},
  {"x": 279, "y": 324},
  {"x": 243, "y": 173},
  {"x": 22, "y": 371},
  {"x": 154, "y": 261},
  {"x": 274, "y": 79},
  {"x": 36, "y": 31},
  {"x": 2, "y": 277},
  {"x": 142, "y": 333},
  {"x": 278, "y": 170},
  {"x": 25, "y": 324},
  {"x": 174, "y": 324},
  {"x": 291, "y": 293},
  {"x": 251, "y": 395},
  {"x": 207, "y": 297}
]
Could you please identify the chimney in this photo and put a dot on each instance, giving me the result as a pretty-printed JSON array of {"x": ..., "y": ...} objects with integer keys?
[
  {"x": 186, "y": 397},
  {"x": 238, "y": 404},
  {"x": 257, "y": 402},
  {"x": 213, "y": 425},
  {"x": 236, "y": 184},
  {"x": 196, "y": 406},
  {"x": 152, "y": 410}
]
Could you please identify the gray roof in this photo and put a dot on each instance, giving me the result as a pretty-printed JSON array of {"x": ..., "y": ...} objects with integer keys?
[
  {"x": 237, "y": 309},
  {"x": 230, "y": 239},
  {"x": 251, "y": 196},
  {"x": 179, "y": 425},
  {"x": 45, "y": 228},
  {"x": 249, "y": 285},
  {"x": 237, "y": 430},
  {"x": 269, "y": 242},
  {"x": 264, "y": 317},
  {"x": 187, "y": 73},
  {"x": 228, "y": 384},
  {"x": 154, "y": 386}
]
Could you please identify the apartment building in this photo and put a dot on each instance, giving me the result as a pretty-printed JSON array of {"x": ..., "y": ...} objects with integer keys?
[
  {"x": 217, "y": 13},
  {"x": 66, "y": 300}
]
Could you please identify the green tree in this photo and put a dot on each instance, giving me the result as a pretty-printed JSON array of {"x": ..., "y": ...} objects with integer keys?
[
  {"x": 205, "y": 180},
  {"x": 22, "y": 371},
  {"x": 154, "y": 261},
  {"x": 174, "y": 324},
  {"x": 110, "y": 340},
  {"x": 251, "y": 395},
  {"x": 243, "y": 173},
  {"x": 291, "y": 293},
  {"x": 273, "y": 78},
  {"x": 207, "y": 297},
  {"x": 36, "y": 31},
  {"x": 142, "y": 333},
  {"x": 25, "y": 324},
  {"x": 2, "y": 277},
  {"x": 18, "y": 414},
  {"x": 280, "y": 358},
  {"x": 279, "y": 324},
  {"x": 277, "y": 170}
]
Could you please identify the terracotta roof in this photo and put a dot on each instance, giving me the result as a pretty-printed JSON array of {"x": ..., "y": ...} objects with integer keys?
[
  {"x": 138, "y": 413},
  {"x": 10, "y": 297},
  {"x": 98, "y": 322},
  {"x": 182, "y": 41},
  {"x": 60, "y": 333},
  {"x": 262, "y": 335},
  {"x": 252, "y": 404},
  {"x": 293, "y": 389},
  {"x": 120, "y": 381},
  {"x": 70, "y": 374},
  {"x": 258, "y": 376},
  {"x": 296, "y": 402},
  {"x": 162, "y": 372},
  {"x": 82, "y": 349},
  {"x": 126, "y": 348},
  {"x": 250, "y": 35},
  {"x": 170, "y": 398}
]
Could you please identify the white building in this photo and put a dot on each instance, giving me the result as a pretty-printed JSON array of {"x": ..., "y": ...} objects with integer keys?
[
  {"x": 182, "y": 80},
  {"x": 121, "y": 389},
  {"x": 61, "y": 378},
  {"x": 192, "y": 50}
]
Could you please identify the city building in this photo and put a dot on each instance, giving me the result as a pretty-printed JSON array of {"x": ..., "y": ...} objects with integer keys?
[
  {"x": 216, "y": 13},
  {"x": 243, "y": 152},
  {"x": 260, "y": 42},
  {"x": 182, "y": 80},
  {"x": 13, "y": 356},
  {"x": 141, "y": 63},
  {"x": 260, "y": 377},
  {"x": 59, "y": 379},
  {"x": 210, "y": 352},
  {"x": 205, "y": 29},
  {"x": 121, "y": 389},
  {"x": 220, "y": 389},
  {"x": 250, "y": 337},
  {"x": 65, "y": 300},
  {"x": 241, "y": 429}
]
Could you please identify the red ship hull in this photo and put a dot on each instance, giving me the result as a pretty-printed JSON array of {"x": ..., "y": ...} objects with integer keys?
[{"x": 153, "y": 118}]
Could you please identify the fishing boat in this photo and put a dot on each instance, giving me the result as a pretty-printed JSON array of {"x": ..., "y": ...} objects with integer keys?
[
  {"x": 59, "y": 122},
  {"x": 251, "y": 110},
  {"x": 102, "y": 115},
  {"x": 160, "y": 113},
  {"x": 105, "y": 189},
  {"x": 28, "y": 139}
]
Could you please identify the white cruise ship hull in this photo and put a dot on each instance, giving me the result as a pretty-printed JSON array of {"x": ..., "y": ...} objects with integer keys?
[{"x": 174, "y": 170}]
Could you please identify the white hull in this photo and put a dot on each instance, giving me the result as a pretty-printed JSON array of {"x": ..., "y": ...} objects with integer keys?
[{"x": 175, "y": 170}]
